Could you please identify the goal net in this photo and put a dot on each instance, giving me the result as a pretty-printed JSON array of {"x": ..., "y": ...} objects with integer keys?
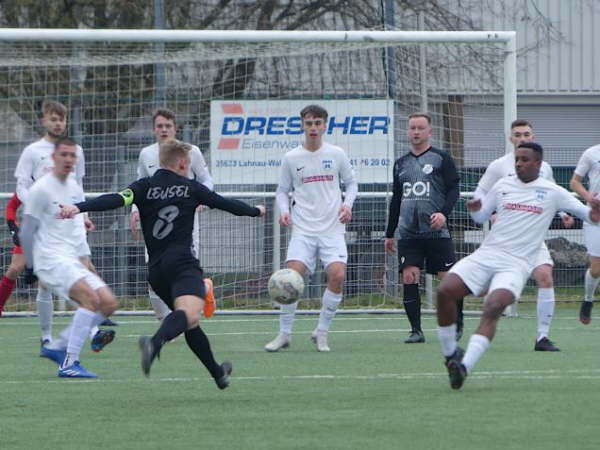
[{"x": 237, "y": 96}]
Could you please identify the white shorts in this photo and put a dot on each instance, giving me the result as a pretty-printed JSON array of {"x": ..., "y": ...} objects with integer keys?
[
  {"x": 330, "y": 248},
  {"x": 543, "y": 256},
  {"x": 591, "y": 233},
  {"x": 485, "y": 271},
  {"x": 60, "y": 274},
  {"x": 83, "y": 250}
]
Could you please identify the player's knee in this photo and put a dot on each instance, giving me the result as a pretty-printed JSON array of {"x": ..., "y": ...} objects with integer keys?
[
  {"x": 595, "y": 269},
  {"x": 336, "y": 279},
  {"x": 543, "y": 277},
  {"x": 108, "y": 304},
  {"x": 494, "y": 307}
]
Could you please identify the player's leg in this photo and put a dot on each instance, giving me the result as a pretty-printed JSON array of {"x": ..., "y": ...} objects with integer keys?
[
  {"x": 545, "y": 307},
  {"x": 334, "y": 256},
  {"x": 86, "y": 259},
  {"x": 9, "y": 280},
  {"x": 440, "y": 257},
  {"x": 45, "y": 309},
  {"x": 161, "y": 310},
  {"x": 411, "y": 256},
  {"x": 592, "y": 274},
  {"x": 301, "y": 257}
]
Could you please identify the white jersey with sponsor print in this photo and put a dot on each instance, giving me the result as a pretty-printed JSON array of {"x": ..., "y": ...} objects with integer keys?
[
  {"x": 54, "y": 236},
  {"x": 505, "y": 167},
  {"x": 313, "y": 178},
  {"x": 524, "y": 213},
  {"x": 148, "y": 163},
  {"x": 589, "y": 164},
  {"x": 36, "y": 161}
]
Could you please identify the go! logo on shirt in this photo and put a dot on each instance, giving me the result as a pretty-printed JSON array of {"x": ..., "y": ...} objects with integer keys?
[{"x": 418, "y": 189}]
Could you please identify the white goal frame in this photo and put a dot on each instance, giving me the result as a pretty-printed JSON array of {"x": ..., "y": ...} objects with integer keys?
[{"x": 505, "y": 38}]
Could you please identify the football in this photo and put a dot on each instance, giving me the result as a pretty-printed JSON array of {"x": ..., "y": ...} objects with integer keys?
[{"x": 285, "y": 286}]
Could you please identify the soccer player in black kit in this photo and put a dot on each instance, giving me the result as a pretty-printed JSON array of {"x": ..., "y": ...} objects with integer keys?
[
  {"x": 167, "y": 202},
  {"x": 424, "y": 193}
]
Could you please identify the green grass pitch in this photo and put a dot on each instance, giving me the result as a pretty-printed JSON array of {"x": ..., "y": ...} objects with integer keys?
[{"x": 371, "y": 392}]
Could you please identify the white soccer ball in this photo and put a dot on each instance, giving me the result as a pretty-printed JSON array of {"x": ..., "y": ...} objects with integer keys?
[{"x": 285, "y": 286}]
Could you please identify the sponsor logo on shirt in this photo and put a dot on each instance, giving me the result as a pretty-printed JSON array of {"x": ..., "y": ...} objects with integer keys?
[
  {"x": 315, "y": 178},
  {"x": 418, "y": 189},
  {"x": 525, "y": 208}
]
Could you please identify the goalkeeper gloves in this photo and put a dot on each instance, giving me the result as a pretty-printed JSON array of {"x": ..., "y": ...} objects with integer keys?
[
  {"x": 29, "y": 276},
  {"x": 14, "y": 231}
]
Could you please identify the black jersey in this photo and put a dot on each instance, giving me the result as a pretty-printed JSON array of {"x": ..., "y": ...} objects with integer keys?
[
  {"x": 423, "y": 184},
  {"x": 167, "y": 204}
]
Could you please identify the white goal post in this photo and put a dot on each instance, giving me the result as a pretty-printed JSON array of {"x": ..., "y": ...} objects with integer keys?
[{"x": 237, "y": 95}]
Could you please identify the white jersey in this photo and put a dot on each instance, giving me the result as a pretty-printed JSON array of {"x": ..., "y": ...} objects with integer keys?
[
  {"x": 524, "y": 213},
  {"x": 589, "y": 164},
  {"x": 505, "y": 167},
  {"x": 54, "y": 236},
  {"x": 313, "y": 178},
  {"x": 36, "y": 161},
  {"x": 148, "y": 163}
]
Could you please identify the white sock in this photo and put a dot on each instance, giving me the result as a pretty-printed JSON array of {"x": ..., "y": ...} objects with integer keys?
[
  {"x": 478, "y": 344},
  {"x": 60, "y": 343},
  {"x": 545, "y": 311},
  {"x": 286, "y": 318},
  {"x": 330, "y": 303},
  {"x": 161, "y": 310},
  {"x": 93, "y": 331},
  {"x": 82, "y": 322},
  {"x": 45, "y": 308},
  {"x": 447, "y": 337},
  {"x": 591, "y": 284}
]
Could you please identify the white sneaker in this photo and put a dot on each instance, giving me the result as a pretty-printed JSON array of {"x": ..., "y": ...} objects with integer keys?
[
  {"x": 283, "y": 340},
  {"x": 320, "y": 339}
]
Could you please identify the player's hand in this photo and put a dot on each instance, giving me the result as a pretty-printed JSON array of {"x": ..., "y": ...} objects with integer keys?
[
  {"x": 14, "y": 232},
  {"x": 474, "y": 205},
  {"x": 68, "y": 211},
  {"x": 200, "y": 208},
  {"x": 437, "y": 221},
  {"x": 567, "y": 220},
  {"x": 262, "y": 209},
  {"x": 29, "y": 276},
  {"x": 345, "y": 214},
  {"x": 285, "y": 219},
  {"x": 89, "y": 225},
  {"x": 133, "y": 225},
  {"x": 594, "y": 201},
  {"x": 589, "y": 197},
  {"x": 390, "y": 246}
]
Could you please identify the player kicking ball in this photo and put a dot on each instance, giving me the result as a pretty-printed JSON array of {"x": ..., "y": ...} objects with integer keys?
[
  {"x": 525, "y": 205},
  {"x": 167, "y": 203}
]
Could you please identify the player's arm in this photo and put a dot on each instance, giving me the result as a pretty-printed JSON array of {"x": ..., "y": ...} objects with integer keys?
[
  {"x": 581, "y": 170},
  {"x": 566, "y": 202},
  {"x": 282, "y": 194},
  {"x": 23, "y": 174},
  {"x": 134, "y": 218},
  {"x": 482, "y": 209},
  {"x": 11, "y": 218},
  {"x": 105, "y": 202},
  {"x": 31, "y": 222},
  {"x": 394, "y": 212},
  {"x": 200, "y": 169},
  {"x": 451, "y": 183},
  {"x": 548, "y": 173},
  {"x": 211, "y": 199},
  {"x": 487, "y": 180},
  {"x": 350, "y": 190}
]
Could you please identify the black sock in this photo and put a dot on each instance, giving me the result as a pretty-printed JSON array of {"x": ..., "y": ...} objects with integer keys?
[
  {"x": 412, "y": 306},
  {"x": 171, "y": 327},
  {"x": 459, "y": 314},
  {"x": 198, "y": 343}
]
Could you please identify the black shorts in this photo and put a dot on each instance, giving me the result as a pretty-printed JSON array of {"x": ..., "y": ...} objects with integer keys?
[
  {"x": 174, "y": 275},
  {"x": 437, "y": 255}
]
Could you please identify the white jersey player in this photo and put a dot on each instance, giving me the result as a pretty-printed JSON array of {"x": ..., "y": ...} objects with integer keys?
[
  {"x": 52, "y": 249},
  {"x": 34, "y": 162},
  {"x": 165, "y": 128},
  {"x": 589, "y": 166},
  {"x": 312, "y": 173},
  {"x": 526, "y": 205},
  {"x": 521, "y": 132}
]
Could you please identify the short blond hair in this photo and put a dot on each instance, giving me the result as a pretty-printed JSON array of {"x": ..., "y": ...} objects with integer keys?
[{"x": 171, "y": 151}]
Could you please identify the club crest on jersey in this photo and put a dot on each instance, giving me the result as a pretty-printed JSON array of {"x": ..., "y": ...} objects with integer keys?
[
  {"x": 327, "y": 163},
  {"x": 540, "y": 195},
  {"x": 427, "y": 169}
]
